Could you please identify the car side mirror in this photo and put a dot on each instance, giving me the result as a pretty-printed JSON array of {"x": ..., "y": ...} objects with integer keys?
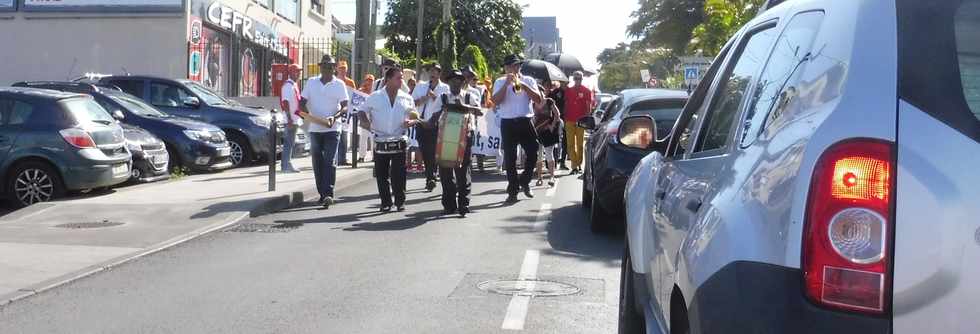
[
  {"x": 599, "y": 113},
  {"x": 118, "y": 115},
  {"x": 638, "y": 132},
  {"x": 586, "y": 122},
  {"x": 191, "y": 101}
]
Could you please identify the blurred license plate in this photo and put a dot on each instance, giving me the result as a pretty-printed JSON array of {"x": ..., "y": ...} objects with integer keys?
[
  {"x": 225, "y": 151},
  {"x": 120, "y": 169}
]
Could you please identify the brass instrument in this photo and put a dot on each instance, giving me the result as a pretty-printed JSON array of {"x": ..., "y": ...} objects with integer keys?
[{"x": 514, "y": 83}]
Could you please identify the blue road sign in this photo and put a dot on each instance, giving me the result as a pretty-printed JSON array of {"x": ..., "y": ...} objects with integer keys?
[{"x": 691, "y": 73}]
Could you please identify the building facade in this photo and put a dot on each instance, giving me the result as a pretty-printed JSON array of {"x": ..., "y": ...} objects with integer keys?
[
  {"x": 541, "y": 36},
  {"x": 229, "y": 45}
]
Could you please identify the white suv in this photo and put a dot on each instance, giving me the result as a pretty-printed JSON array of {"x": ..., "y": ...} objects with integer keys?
[{"x": 821, "y": 179}]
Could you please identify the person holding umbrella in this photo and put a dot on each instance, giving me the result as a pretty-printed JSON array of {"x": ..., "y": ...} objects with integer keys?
[
  {"x": 578, "y": 103},
  {"x": 513, "y": 94}
]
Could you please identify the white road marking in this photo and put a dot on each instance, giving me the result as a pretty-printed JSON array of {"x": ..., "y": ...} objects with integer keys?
[
  {"x": 551, "y": 191},
  {"x": 544, "y": 214},
  {"x": 517, "y": 309}
]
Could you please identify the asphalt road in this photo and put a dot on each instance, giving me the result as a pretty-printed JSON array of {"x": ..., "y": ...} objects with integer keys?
[{"x": 352, "y": 269}]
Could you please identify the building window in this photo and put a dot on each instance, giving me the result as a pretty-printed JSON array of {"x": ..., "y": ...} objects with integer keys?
[
  {"x": 264, "y": 3},
  {"x": 288, "y": 9},
  {"x": 316, "y": 6}
]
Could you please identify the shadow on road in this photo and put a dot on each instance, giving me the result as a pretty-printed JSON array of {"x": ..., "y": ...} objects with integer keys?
[{"x": 569, "y": 235}]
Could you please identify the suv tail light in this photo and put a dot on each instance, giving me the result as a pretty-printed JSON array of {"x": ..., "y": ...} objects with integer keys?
[
  {"x": 848, "y": 229},
  {"x": 77, "y": 138}
]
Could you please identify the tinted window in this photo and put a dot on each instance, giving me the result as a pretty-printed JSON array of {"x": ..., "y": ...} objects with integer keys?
[
  {"x": 207, "y": 96},
  {"x": 681, "y": 141},
  {"x": 939, "y": 60},
  {"x": 134, "y": 87},
  {"x": 87, "y": 111},
  {"x": 135, "y": 105},
  {"x": 167, "y": 95},
  {"x": 613, "y": 109},
  {"x": 19, "y": 113},
  {"x": 724, "y": 109},
  {"x": 792, "y": 50},
  {"x": 665, "y": 112}
]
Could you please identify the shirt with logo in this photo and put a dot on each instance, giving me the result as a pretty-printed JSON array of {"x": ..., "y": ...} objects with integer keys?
[{"x": 578, "y": 103}]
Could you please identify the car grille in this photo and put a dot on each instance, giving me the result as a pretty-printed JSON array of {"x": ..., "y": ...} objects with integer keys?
[
  {"x": 152, "y": 146},
  {"x": 158, "y": 158}
]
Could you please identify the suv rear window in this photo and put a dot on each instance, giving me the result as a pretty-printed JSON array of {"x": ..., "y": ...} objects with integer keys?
[
  {"x": 665, "y": 112},
  {"x": 939, "y": 60},
  {"x": 87, "y": 111}
]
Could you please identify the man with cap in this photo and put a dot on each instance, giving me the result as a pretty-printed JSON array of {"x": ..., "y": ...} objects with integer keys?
[
  {"x": 456, "y": 181},
  {"x": 289, "y": 101},
  {"x": 380, "y": 83},
  {"x": 427, "y": 99},
  {"x": 578, "y": 103},
  {"x": 324, "y": 103},
  {"x": 513, "y": 95}
]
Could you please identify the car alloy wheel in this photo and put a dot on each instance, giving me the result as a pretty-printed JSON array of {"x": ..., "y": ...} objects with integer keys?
[
  {"x": 137, "y": 174},
  {"x": 33, "y": 185},
  {"x": 237, "y": 153}
]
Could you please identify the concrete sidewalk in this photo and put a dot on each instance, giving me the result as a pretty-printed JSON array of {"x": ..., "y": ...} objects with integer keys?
[{"x": 50, "y": 244}]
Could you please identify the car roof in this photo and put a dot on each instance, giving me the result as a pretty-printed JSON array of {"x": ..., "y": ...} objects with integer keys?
[
  {"x": 136, "y": 77},
  {"x": 81, "y": 87},
  {"x": 37, "y": 93},
  {"x": 631, "y": 96}
]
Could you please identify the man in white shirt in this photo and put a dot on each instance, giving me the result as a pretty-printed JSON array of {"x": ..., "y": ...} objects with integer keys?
[
  {"x": 513, "y": 95},
  {"x": 289, "y": 100},
  {"x": 472, "y": 83},
  {"x": 456, "y": 181},
  {"x": 324, "y": 104},
  {"x": 381, "y": 82},
  {"x": 427, "y": 100},
  {"x": 388, "y": 114}
]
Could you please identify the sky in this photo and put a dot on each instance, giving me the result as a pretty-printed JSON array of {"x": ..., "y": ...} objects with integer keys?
[{"x": 586, "y": 26}]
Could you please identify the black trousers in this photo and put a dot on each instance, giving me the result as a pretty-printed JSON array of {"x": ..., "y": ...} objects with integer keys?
[
  {"x": 427, "y": 142},
  {"x": 518, "y": 131},
  {"x": 389, "y": 170},
  {"x": 456, "y": 183},
  {"x": 560, "y": 150}
]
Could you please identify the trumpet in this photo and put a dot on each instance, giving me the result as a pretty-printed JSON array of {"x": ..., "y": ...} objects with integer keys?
[{"x": 514, "y": 83}]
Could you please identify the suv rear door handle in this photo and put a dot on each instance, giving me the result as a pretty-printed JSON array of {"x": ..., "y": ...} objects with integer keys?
[{"x": 694, "y": 205}]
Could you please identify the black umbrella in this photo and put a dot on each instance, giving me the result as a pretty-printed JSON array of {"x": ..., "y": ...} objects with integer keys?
[
  {"x": 543, "y": 70},
  {"x": 566, "y": 62}
]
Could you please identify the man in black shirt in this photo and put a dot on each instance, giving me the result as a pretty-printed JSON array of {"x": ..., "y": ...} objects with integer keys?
[{"x": 558, "y": 95}]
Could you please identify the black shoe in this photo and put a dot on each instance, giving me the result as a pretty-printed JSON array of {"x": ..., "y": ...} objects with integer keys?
[
  {"x": 327, "y": 202},
  {"x": 400, "y": 208},
  {"x": 448, "y": 211},
  {"x": 386, "y": 208},
  {"x": 430, "y": 186},
  {"x": 463, "y": 211},
  {"x": 563, "y": 167},
  {"x": 512, "y": 198},
  {"x": 320, "y": 201},
  {"x": 528, "y": 193}
]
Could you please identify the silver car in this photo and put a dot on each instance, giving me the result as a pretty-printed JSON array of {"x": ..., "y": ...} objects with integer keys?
[{"x": 821, "y": 179}]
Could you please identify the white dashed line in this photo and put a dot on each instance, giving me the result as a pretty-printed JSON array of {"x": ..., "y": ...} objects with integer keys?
[
  {"x": 544, "y": 214},
  {"x": 551, "y": 191},
  {"x": 517, "y": 309}
]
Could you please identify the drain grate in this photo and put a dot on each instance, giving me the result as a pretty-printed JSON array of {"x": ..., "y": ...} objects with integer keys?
[
  {"x": 531, "y": 288},
  {"x": 81, "y": 225},
  {"x": 264, "y": 228}
]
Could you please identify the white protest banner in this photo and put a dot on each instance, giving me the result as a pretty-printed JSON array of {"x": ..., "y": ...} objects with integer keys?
[{"x": 487, "y": 141}]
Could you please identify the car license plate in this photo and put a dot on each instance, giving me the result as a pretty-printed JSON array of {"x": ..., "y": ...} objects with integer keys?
[
  {"x": 224, "y": 151},
  {"x": 120, "y": 169}
]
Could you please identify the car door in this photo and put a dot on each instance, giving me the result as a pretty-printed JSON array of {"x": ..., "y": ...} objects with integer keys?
[
  {"x": 697, "y": 169},
  {"x": 170, "y": 97}
]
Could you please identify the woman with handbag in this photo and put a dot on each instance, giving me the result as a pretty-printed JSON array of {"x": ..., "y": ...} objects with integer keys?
[
  {"x": 547, "y": 126},
  {"x": 388, "y": 113}
]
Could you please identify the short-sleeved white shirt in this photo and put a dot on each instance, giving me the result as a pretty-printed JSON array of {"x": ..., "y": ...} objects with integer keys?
[
  {"x": 323, "y": 100},
  {"x": 289, "y": 96},
  {"x": 515, "y": 105},
  {"x": 387, "y": 119},
  {"x": 431, "y": 106}
]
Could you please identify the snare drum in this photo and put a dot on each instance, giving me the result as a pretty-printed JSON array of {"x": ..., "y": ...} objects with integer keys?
[{"x": 391, "y": 147}]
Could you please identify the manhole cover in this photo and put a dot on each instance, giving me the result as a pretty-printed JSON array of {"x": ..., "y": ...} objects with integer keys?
[
  {"x": 104, "y": 223},
  {"x": 532, "y": 288},
  {"x": 264, "y": 228}
]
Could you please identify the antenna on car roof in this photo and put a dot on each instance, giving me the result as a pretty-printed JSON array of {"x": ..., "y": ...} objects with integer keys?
[
  {"x": 125, "y": 70},
  {"x": 71, "y": 69}
]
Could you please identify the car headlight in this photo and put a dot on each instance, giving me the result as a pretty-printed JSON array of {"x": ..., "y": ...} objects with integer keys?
[
  {"x": 198, "y": 135},
  {"x": 261, "y": 121}
]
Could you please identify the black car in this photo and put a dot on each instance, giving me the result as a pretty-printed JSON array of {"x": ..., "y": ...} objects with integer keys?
[
  {"x": 194, "y": 145},
  {"x": 247, "y": 128},
  {"x": 150, "y": 156},
  {"x": 53, "y": 142},
  {"x": 634, "y": 124}
]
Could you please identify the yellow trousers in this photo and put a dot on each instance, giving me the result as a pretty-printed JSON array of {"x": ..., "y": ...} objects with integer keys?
[{"x": 575, "y": 144}]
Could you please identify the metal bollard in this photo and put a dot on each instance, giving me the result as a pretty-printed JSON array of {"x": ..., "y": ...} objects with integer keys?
[
  {"x": 274, "y": 140},
  {"x": 356, "y": 140}
]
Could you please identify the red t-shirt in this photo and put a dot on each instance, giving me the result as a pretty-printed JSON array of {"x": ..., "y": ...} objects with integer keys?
[{"x": 578, "y": 103}]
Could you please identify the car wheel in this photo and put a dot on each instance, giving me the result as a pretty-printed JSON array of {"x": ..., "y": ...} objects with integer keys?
[
  {"x": 598, "y": 218},
  {"x": 240, "y": 152},
  {"x": 34, "y": 182},
  {"x": 630, "y": 321},
  {"x": 137, "y": 174}
]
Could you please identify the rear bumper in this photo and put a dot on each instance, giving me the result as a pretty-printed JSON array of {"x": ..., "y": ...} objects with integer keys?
[
  {"x": 752, "y": 297},
  {"x": 96, "y": 175},
  {"x": 610, "y": 181}
]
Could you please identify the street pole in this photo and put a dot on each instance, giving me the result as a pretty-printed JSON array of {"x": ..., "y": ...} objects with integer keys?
[
  {"x": 447, "y": 7},
  {"x": 418, "y": 39}
]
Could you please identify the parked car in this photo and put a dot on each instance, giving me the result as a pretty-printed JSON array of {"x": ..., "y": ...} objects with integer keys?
[
  {"x": 603, "y": 101},
  {"x": 820, "y": 180},
  {"x": 618, "y": 139},
  {"x": 247, "y": 128},
  {"x": 194, "y": 145},
  {"x": 150, "y": 156},
  {"x": 53, "y": 142}
]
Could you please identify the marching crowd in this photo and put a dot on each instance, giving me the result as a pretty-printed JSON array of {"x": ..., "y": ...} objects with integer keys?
[{"x": 431, "y": 126}]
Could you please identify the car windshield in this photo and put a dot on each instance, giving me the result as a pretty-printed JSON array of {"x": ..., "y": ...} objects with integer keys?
[
  {"x": 87, "y": 111},
  {"x": 207, "y": 96},
  {"x": 665, "y": 112},
  {"x": 135, "y": 105}
]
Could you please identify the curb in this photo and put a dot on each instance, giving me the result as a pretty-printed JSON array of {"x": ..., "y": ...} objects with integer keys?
[{"x": 269, "y": 205}]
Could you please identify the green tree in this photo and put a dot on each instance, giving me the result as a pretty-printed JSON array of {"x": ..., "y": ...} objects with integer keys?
[
  {"x": 621, "y": 65},
  {"x": 722, "y": 19},
  {"x": 472, "y": 56},
  {"x": 666, "y": 23},
  {"x": 494, "y": 26}
]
